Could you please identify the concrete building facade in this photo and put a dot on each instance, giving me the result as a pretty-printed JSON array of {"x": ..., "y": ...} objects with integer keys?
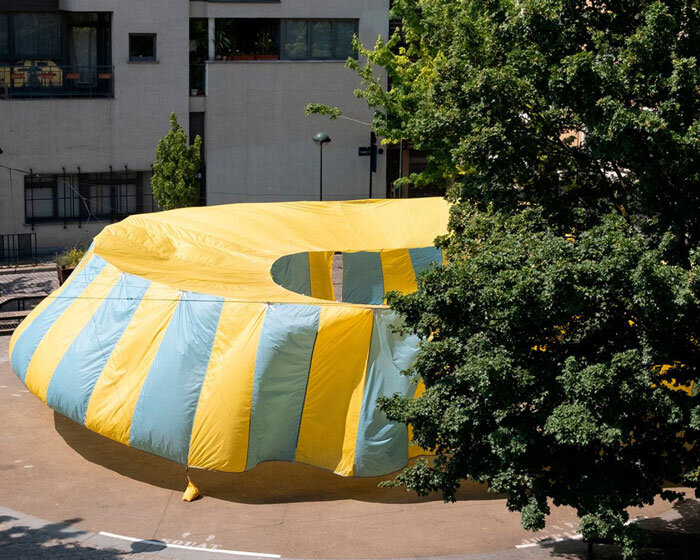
[{"x": 86, "y": 88}]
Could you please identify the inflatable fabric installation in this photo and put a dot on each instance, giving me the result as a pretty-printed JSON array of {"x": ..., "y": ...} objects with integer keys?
[{"x": 210, "y": 336}]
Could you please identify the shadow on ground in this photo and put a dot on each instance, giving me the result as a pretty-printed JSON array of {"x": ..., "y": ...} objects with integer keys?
[
  {"x": 28, "y": 284},
  {"x": 675, "y": 535},
  {"x": 268, "y": 483},
  {"x": 58, "y": 540}
]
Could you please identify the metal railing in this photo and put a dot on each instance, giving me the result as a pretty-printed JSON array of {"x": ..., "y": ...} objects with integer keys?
[
  {"x": 18, "y": 248},
  {"x": 42, "y": 79}
]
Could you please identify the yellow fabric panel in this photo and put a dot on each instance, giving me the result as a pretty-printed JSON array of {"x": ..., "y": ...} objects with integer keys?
[
  {"x": 335, "y": 388},
  {"x": 114, "y": 397},
  {"x": 221, "y": 424},
  {"x": 414, "y": 450},
  {"x": 320, "y": 271},
  {"x": 398, "y": 271},
  {"x": 197, "y": 249},
  {"x": 63, "y": 332},
  {"x": 38, "y": 310}
]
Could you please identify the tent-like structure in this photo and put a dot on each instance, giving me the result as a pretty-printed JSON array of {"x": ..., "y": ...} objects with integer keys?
[{"x": 210, "y": 336}]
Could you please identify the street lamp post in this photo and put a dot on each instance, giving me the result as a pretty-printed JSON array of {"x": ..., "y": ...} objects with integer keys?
[{"x": 321, "y": 138}]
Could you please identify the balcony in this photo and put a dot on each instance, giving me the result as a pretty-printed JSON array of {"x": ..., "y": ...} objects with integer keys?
[{"x": 44, "y": 79}]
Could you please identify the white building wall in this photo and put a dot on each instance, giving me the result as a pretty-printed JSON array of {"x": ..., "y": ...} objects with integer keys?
[
  {"x": 47, "y": 135},
  {"x": 258, "y": 140}
]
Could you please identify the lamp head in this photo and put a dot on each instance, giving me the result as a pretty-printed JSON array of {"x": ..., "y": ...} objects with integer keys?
[{"x": 321, "y": 138}]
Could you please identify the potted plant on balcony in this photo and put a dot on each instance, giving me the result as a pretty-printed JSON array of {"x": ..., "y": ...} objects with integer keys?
[
  {"x": 222, "y": 41},
  {"x": 67, "y": 261},
  {"x": 265, "y": 47},
  {"x": 240, "y": 55}
]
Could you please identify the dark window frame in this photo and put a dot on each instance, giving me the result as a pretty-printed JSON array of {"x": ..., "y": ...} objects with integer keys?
[
  {"x": 79, "y": 189},
  {"x": 309, "y": 21},
  {"x": 154, "y": 58}
]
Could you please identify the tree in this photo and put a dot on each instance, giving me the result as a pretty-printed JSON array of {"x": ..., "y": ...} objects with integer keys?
[
  {"x": 562, "y": 336},
  {"x": 176, "y": 169}
]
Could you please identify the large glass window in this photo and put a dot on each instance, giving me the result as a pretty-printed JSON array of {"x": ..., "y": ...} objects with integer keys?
[
  {"x": 37, "y": 36},
  {"x": 296, "y": 40},
  {"x": 321, "y": 39},
  {"x": 318, "y": 39},
  {"x": 4, "y": 36},
  {"x": 345, "y": 32},
  {"x": 247, "y": 38}
]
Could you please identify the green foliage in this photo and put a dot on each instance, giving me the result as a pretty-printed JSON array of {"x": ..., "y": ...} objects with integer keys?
[
  {"x": 320, "y": 109},
  {"x": 71, "y": 257},
  {"x": 175, "y": 172},
  {"x": 572, "y": 267},
  {"x": 223, "y": 44},
  {"x": 497, "y": 89}
]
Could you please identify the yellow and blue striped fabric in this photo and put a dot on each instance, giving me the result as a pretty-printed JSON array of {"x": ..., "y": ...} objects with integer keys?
[{"x": 221, "y": 382}]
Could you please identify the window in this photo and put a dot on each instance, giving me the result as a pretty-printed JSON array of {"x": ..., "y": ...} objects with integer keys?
[
  {"x": 318, "y": 39},
  {"x": 142, "y": 47},
  {"x": 38, "y": 36},
  {"x": 81, "y": 197},
  {"x": 57, "y": 54},
  {"x": 295, "y": 46},
  {"x": 4, "y": 36},
  {"x": 321, "y": 39},
  {"x": 247, "y": 38},
  {"x": 39, "y": 197}
]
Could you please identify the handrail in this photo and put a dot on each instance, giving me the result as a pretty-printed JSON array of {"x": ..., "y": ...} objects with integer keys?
[{"x": 43, "y": 78}]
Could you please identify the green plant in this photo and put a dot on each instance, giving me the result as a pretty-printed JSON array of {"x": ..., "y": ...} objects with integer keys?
[
  {"x": 70, "y": 258},
  {"x": 572, "y": 270},
  {"x": 222, "y": 40},
  {"x": 176, "y": 169},
  {"x": 265, "y": 44}
]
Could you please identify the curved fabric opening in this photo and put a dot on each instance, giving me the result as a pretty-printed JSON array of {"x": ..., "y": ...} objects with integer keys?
[
  {"x": 307, "y": 273},
  {"x": 362, "y": 277}
]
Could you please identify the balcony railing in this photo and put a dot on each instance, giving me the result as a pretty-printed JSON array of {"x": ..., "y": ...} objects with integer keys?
[
  {"x": 43, "y": 79},
  {"x": 17, "y": 248}
]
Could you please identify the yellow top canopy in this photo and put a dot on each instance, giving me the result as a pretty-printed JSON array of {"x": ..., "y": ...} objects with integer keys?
[{"x": 229, "y": 250}]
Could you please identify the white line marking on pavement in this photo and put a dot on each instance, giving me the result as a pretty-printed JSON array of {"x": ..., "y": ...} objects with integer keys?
[
  {"x": 550, "y": 540},
  {"x": 195, "y": 549}
]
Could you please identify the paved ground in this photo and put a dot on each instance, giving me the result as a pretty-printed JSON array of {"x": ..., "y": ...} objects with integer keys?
[
  {"x": 15, "y": 281},
  {"x": 26, "y": 537},
  {"x": 54, "y": 469}
]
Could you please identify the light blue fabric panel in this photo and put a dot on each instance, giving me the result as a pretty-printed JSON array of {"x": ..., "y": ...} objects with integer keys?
[
  {"x": 292, "y": 272},
  {"x": 281, "y": 375},
  {"x": 382, "y": 446},
  {"x": 76, "y": 374},
  {"x": 164, "y": 413},
  {"x": 363, "y": 279},
  {"x": 27, "y": 343},
  {"x": 424, "y": 257}
]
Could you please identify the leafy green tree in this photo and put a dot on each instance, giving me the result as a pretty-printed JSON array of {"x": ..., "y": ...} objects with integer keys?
[
  {"x": 176, "y": 169},
  {"x": 570, "y": 293}
]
